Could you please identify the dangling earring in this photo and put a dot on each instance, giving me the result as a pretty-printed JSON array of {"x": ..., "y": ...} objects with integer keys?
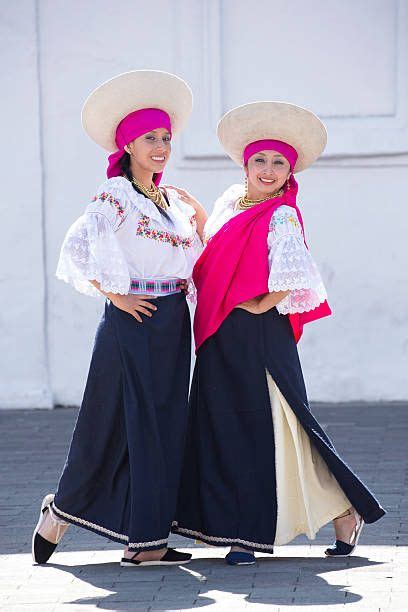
[
  {"x": 246, "y": 185},
  {"x": 288, "y": 183}
]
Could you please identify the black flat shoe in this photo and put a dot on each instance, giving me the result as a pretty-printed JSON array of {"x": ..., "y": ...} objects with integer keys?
[
  {"x": 344, "y": 549},
  {"x": 171, "y": 557},
  {"x": 42, "y": 549}
]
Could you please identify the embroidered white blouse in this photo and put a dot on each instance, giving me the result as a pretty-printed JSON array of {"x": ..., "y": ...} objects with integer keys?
[
  {"x": 291, "y": 266},
  {"x": 123, "y": 236}
]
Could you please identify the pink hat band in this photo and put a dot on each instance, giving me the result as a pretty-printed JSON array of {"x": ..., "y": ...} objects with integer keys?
[
  {"x": 271, "y": 145},
  {"x": 132, "y": 126}
]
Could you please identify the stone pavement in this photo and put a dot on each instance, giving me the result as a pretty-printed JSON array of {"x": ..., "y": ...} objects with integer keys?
[{"x": 85, "y": 574}]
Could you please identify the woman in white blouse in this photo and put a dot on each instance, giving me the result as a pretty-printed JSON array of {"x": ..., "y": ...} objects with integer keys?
[
  {"x": 136, "y": 244},
  {"x": 258, "y": 468}
]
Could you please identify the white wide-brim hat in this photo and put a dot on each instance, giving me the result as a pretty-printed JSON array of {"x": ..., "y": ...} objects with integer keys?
[
  {"x": 289, "y": 123},
  {"x": 112, "y": 101}
]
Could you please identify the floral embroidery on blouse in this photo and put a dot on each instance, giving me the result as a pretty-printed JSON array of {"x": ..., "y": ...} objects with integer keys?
[
  {"x": 108, "y": 197},
  {"x": 175, "y": 240},
  {"x": 286, "y": 217}
]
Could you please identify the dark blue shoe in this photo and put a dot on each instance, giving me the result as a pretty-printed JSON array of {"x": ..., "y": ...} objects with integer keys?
[
  {"x": 240, "y": 558},
  {"x": 344, "y": 549}
]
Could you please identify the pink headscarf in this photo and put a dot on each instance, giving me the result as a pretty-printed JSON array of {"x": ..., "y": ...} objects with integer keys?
[
  {"x": 225, "y": 274},
  {"x": 132, "y": 126},
  {"x": 271, "y": 145}
]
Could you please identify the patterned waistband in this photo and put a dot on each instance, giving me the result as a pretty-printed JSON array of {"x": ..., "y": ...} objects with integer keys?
[{"x": 156, "y": 287}]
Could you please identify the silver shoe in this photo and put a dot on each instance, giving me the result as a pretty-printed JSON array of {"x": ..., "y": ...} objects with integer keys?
[{"x": 344, "y": 549}]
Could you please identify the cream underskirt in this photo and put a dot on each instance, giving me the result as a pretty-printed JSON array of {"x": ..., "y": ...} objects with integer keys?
[{"x": 308, "y": 495}]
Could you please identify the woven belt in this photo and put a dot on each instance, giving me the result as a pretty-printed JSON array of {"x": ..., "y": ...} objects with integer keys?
[{"x": 156, "y": 287}]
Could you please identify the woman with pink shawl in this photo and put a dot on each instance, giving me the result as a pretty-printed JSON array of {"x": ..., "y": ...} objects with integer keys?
[{"x": 258, "y": 468}]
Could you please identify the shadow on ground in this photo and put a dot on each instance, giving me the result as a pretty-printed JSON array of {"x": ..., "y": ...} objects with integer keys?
[{"x": 275, "y": 582}]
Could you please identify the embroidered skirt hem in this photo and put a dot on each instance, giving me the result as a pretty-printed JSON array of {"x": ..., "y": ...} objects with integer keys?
[
  {"x": 222, "y": 541},
  {"x": 104, "y": 531}
]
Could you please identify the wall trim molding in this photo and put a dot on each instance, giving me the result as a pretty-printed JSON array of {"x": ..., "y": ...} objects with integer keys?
[
  {"x": 43, "y": 204},
  {"x": 350, "y": 135}
]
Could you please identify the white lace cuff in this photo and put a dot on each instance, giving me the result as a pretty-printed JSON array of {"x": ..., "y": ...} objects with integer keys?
[
  {"x": 302, "y": 300},
  {"x": 292, "y": 268},
  {"x": 91, "y": 251}
]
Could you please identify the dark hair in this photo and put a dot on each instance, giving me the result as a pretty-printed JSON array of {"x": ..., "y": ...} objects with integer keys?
[{"x": 125, "y": 167}]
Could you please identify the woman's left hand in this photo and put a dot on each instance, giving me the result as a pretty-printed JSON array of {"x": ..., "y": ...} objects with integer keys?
[
  {"x": 184, "y": 287},
  {"x": 186, "y": 197},
  {"x": 251, "y": 306},
  {"x": 263, "y": 303},
  {"x": 200, "y": 212}
]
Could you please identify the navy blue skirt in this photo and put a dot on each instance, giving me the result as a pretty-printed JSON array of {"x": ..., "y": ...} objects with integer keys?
[
  {"x": 122, "y": 472},
  {"x": 228, "y": 486}
]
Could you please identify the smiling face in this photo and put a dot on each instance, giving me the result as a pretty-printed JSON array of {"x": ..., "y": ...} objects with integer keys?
[
  {"x": 267, "y": 172},
  {"x": 150, "y": 152}
]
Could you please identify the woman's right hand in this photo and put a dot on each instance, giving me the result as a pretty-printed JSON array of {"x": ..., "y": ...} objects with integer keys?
[{"x": 133, "y": 304}]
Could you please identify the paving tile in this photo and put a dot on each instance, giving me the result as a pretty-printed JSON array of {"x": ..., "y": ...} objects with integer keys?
[{"x": 85, "y": 575}]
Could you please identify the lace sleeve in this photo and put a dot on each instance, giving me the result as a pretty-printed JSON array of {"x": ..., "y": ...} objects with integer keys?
[
  {"x": 91, "y": 251},
  {"x": 291, "y": 265},
  {"x": 111, "y": 200}
]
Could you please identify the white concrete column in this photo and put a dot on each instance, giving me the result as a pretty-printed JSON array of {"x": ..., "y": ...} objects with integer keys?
[{"x": 23, "y": 353}]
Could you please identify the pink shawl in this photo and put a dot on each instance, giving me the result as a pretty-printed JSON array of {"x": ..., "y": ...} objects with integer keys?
[{"x": 234, "y": 268}]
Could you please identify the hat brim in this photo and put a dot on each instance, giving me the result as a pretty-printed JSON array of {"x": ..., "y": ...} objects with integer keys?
[
  {"x": 273, "y": 120},
  {"x": 112, "y": 101}
]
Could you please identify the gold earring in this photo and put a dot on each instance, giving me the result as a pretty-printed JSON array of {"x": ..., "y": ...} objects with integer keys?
[
  {"x": 288, "y": 183},
  {"x": 246, "y": 185}
]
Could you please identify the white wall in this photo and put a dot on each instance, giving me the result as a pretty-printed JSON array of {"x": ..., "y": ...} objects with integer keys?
[
  {"x": 346, "y": 61},
  {"x": 24, "y": 378}
]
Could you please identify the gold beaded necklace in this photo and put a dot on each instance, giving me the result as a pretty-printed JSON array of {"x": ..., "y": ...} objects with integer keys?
[
  {"x": 153, "y": 193},
  {"x": 244, "y": 202}
]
